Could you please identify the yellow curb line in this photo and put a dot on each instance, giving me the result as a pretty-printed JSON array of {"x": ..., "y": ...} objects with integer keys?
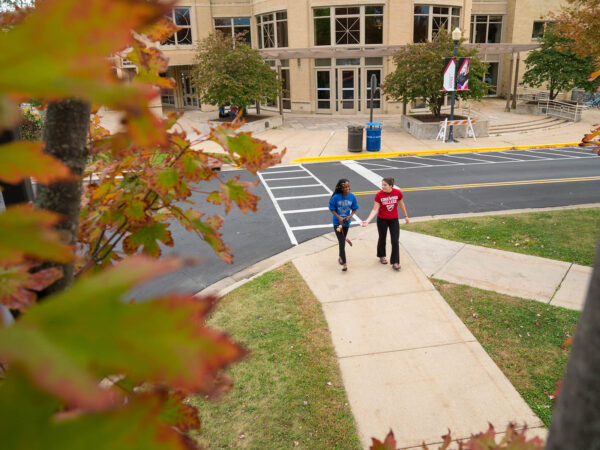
[
  {"x": 492, "y": 184},
  {"x": 371, "y": 155}
]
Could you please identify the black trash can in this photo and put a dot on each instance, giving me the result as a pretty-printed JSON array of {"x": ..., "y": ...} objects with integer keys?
[{"x": 355, "y": 138}]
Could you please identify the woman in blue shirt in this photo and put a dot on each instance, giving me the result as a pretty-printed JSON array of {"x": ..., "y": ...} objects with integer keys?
[{"x": 342, "y": 205}]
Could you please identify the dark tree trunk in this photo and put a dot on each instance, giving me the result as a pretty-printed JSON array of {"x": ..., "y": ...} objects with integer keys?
[
  {"x": 576, "y": 420},
  {"x": 65, "y": 134}
]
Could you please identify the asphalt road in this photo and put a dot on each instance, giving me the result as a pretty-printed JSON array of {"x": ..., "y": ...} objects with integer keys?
[{"x": 294, "y": 200}]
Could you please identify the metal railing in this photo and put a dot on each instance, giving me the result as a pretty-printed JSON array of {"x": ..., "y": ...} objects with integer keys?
[
  {"x": 561, "y": 110},
  {"x": 532, "y": 95},
  {"x": 553, "y": 108}
]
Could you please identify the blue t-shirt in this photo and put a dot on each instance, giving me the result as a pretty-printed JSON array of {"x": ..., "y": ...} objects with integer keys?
[{"x": 343, "y": 206}]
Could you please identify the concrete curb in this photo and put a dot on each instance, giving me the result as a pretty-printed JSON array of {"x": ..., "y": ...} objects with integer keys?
[{"x": 377, "y": 154}]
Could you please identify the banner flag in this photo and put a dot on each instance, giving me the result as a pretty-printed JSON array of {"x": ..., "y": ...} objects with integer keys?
[
  {"x": 449, "y": 74},
  {"x": 462, "y": 79}
]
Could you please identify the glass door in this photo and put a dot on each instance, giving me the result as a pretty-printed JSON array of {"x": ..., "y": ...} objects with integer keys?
[
  {"x": 324, "y": 91},
  {"x": 377, "y": 93},
  {"x": 190, "y": 99},
  {"x": 347, "y": 90}
]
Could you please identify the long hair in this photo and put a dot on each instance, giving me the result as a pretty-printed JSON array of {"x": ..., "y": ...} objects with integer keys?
[{"x": 338, "y": 186}]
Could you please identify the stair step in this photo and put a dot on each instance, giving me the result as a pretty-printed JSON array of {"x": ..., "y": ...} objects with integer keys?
[
  {"x": 529, "y": 123},
  {"x": 524, "y": 129}
]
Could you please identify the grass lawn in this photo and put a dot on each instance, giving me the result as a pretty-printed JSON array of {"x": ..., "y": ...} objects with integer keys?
[
  {"x": 567, "y": 235},
  {"x": 523, "y": 337},
  {"x": 288, "y": 392}
]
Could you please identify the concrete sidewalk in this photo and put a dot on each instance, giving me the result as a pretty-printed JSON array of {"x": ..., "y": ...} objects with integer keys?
[
  {"x": 322, "y": 137},
  {"x": 546, "y": 280},
  {"x": 407, "y": 361}
]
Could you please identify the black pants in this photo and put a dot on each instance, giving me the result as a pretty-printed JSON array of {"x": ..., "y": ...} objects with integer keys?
[
  {"x": 382, "y": 227},
  {"x": 341, "y": 236}
]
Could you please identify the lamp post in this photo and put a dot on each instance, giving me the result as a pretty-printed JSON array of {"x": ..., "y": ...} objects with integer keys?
[{"x": 455, "y": 37}]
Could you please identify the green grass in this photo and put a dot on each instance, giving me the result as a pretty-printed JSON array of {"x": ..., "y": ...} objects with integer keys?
[
  {"x": 567, "y": 235},
  {"x": 523, "y": 337},
  {"x": 289, "y": 389}
]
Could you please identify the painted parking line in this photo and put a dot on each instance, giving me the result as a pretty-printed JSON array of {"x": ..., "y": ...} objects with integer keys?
[
  {"x": 368, "y": 174},
  {"x": 494, "y": 184},
  {"x": 298, "y": 211},
  {"x": 294, "y": 187},
  {"x": 287, "y": 178},
  {"x": 524, "y": 155},
  {"x": 282, "y": 204},
  {"x": 468, "y": 158},
  {"x": 403, "y": 160}
]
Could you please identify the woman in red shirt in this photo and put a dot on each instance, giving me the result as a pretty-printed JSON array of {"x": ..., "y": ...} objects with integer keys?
[{"x": 386, "y": 206}]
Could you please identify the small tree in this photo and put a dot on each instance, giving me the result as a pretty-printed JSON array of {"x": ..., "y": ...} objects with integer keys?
[
  {"x": 419, "y": 69},
  {"x": 229, "y": 71},
  {"x": 557, "y": 67}
]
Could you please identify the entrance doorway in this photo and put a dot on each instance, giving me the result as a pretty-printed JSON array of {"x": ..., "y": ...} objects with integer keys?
[
  {"x": 343, "y": 85},
  {"x": 190, "y": 99},
  {"x": 348, "y": 90}
]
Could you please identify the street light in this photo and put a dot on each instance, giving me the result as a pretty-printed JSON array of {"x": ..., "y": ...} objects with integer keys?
[{"x": 456, "y": 34}]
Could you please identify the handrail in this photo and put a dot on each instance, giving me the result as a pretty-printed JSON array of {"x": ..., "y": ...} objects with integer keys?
[{"x": 561, "y": 110}]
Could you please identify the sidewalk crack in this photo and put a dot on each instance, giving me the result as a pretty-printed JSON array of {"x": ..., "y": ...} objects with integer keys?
[
  {"x": 327, "y": 143},
  {"x": 448, "y": 261},
  {"x": 409, "y": 349},
  {"x": 560, "y": 284}
]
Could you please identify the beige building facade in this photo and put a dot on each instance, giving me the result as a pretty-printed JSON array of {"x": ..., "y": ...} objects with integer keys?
[{"x": 328, "y": 50}]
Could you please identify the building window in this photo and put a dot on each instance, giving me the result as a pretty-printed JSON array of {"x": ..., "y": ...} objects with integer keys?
[
  {"x": 272, "y": 30},
  {"x": 167, "y": 96},
  {"x": 286, "y": 102},
  {"x": 233, "y": 26},
  {"x": 430, "y": 20},
  {"x": 486, "y": 29},
  {"x": 349, "y": 25},
  {"x": 181, "y": 17},
  {"x": 539, "y": 29}
]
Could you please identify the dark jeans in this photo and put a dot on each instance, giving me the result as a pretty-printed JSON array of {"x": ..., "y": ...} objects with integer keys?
[
  {"x": 382, "y": 227},
  {"x": 341, "y": 236}
]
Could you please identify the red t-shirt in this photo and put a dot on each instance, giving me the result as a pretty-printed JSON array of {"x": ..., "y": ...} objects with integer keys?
[{"x": 388, "y": 204}]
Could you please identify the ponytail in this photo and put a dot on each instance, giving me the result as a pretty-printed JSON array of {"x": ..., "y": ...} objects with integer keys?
[{"x": 338, "y": 187}]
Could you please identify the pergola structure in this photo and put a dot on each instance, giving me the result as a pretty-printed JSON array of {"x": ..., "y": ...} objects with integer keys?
[{"x": 388, "y": 50}]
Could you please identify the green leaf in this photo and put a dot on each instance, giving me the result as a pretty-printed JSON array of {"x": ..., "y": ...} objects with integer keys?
[
  {"x": 31, "y": 420},
  {"x": 27, "y": 159},
  {"x": 148, "y": 238},
  {"x": 169, "y": 180},
  {"x": 208, "y": 230},
  {"x": 236, "y": 191},
  {"x": 17, "y": 284},
  {"x": 178, "y": 414},
  {"x": 248, "y": 152},
  {"x": 27, "y": 232},
  {"x": 135, "y": 211},
  {"x": 61, "y": 50},
  {"x": 89, "y": 327}
]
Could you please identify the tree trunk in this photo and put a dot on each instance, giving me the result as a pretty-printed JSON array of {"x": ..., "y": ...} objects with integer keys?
[
  {"x": 576, "y": 420},
  {"x": 65, "y": 135}
]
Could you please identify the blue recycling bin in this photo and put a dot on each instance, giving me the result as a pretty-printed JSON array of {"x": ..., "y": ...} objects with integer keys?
[{"x": 373, "y": 136}]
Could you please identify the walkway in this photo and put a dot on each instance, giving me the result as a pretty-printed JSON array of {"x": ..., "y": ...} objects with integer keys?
[{"x": 408, "y": 362}]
